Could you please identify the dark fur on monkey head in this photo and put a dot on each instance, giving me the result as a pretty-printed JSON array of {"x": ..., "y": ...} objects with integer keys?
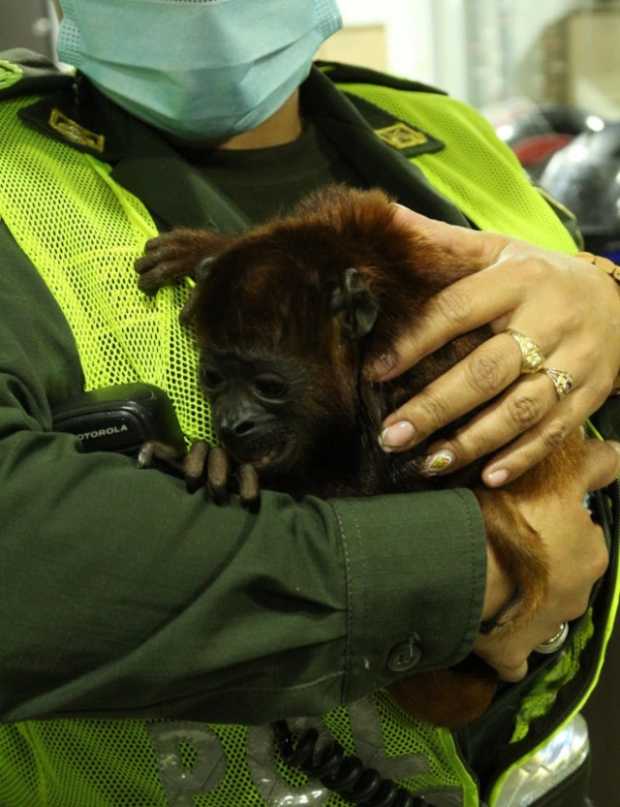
[{"x": 287, "y": 316}]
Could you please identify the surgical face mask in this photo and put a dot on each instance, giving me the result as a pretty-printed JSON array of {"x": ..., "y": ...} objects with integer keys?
[{"x": 203, "y": 70}]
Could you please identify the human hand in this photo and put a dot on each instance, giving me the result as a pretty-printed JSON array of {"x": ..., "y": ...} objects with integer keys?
[
  {"x": 577, "y": 558},
  {"x": 572, "y": 311}
]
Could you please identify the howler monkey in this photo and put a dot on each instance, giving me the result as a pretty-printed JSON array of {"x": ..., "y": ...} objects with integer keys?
[{"x": 286, "y": 317}]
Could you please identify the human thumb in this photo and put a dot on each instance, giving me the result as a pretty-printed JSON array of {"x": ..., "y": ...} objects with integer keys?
[{"x": 472, "y": 247}]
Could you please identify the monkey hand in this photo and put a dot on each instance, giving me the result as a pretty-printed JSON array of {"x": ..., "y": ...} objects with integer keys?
[
  {"x": 172, "y": 256},
  {"x": 207, "y": 467}
]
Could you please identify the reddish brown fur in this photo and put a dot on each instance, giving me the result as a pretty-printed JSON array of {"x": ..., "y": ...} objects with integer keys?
[{"x": 268, "y": 295}]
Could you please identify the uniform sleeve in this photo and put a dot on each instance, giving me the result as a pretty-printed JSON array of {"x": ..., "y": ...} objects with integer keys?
[{"x": 122, "y": 595}]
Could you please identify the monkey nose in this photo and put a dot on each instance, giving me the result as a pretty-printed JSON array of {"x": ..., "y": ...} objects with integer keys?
[
  {"x": 243, "y": 428},
  {"x": 238, "y": 426}
]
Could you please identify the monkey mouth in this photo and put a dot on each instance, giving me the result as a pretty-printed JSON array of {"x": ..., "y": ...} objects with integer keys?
[{"x": 265, "y": 455}]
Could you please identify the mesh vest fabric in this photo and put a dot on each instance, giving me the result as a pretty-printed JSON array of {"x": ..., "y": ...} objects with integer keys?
[
  {"x": 82, "y": 232},
  {"x": 475, "y": 171}
]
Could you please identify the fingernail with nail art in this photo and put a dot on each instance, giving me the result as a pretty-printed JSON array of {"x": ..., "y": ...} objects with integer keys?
[{"x": 439, "y": 461}]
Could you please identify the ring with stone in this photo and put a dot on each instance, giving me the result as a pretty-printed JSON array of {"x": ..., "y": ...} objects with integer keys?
[
  {"x": 555, "y": 642},
  {"x": 531, "y": 354},
  {"x": 562, "y": 381}
]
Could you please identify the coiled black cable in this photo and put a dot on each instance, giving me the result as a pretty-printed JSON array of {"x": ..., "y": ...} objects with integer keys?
[{"x": 342, "y": 773}]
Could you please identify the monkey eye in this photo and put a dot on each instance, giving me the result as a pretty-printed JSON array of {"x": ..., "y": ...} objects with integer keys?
[
  {"x": 210, "y": 378},
  {"x": 271, "y": 387}
]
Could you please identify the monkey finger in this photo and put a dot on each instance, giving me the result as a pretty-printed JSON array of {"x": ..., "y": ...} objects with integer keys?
[
  {"x": 173, "y": 238},
  {"x": 156, "y": 256},
  {"x": 154, "y": 450},
  {"x": 147, "y": 262},
  {"x": 156, "y": 242},
  {"x": 218, "y": 474},
  {"x": 166, "y": 273},
  {"x": 249, "y": 487},
  {"x": 194, "y": 465}
]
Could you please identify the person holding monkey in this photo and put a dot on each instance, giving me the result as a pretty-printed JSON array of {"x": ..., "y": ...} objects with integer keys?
[{"x": 160, "y": 635}]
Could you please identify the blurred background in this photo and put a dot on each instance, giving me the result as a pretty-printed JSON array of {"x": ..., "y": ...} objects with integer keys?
[
  {"x": 547, "y": 75},
  {"x": 482, "y": 51}
]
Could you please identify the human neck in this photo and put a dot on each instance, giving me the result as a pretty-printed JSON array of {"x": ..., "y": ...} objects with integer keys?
[{"x": 282, "y": 127}]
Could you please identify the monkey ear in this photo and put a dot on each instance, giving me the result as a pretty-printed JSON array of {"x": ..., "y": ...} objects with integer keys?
[{"x": 357, "y": 305}]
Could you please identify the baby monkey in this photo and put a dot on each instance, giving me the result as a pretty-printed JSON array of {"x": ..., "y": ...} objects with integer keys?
[{"x": 287, "y": 316}]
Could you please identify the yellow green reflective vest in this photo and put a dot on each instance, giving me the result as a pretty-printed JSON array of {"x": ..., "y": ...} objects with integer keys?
[{"x": 83, "y": 231}]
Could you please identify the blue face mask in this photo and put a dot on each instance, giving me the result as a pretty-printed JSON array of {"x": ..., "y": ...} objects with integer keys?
[{"x": 199, "y": 69}]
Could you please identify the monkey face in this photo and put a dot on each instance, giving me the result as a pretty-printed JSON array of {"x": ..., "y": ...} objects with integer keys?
[
  {"x": 279, "y": 414},
  {"x": 253, "y": 408}
]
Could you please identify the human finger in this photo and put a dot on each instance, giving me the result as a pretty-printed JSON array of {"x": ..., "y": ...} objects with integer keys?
[
  {"x": 511, "y": 675},
  {"x": 461, "y": 307},
  {"x": 545, "y": 436},
  {"x": 479, "y": 377},
  {"x": 521, "y": 407},
  {"x": 601, "y": 464},
  {"x": 472, "y": 247},
  {"x": 508, "y": 661}
]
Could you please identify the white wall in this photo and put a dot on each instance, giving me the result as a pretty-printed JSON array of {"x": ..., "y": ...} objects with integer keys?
[{"x": 408, "y": 25}]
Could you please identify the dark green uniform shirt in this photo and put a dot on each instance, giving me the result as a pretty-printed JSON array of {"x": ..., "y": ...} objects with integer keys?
[{"x": 123, "y": 595}]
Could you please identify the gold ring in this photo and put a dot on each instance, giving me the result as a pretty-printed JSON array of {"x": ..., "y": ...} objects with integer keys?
[
  {"x": 561, "y": 380},
  {"x": 531, "y": 355},
  {"x": 554, "y": 642}
]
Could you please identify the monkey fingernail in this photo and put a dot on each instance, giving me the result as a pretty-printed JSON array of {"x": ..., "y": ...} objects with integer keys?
[
  {"x": 496, "y": 477},
  {"x": 396, "y": 436},
  {"x": 439, "y": 461}
]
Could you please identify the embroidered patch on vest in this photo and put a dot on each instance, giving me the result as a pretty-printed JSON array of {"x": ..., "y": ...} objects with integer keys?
[
  {"x": 72, "y": 131},
  {"x": 401, "y": 137}
]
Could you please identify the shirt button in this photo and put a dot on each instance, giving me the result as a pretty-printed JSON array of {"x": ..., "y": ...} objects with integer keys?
[{"x": 404, "y": 656}]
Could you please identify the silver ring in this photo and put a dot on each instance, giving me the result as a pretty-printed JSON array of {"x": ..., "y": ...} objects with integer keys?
[{"x": 554, "y": 642}]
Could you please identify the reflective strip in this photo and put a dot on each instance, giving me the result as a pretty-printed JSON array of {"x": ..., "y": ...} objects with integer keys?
[
  {"x": 369, "y": 747},
  {"x": 562, "y": 755},
  {"x": 268, "y": 781},
  {"x": 180, "y": 782}
]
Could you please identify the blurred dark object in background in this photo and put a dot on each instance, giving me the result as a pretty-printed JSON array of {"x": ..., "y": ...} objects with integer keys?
[
  {"x": 585, "y": 177},
  {"x": 536, "y": 132}
]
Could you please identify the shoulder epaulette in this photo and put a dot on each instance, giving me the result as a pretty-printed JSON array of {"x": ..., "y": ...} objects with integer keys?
[
  {"x": 24, "y": 72},
  {"x": 341, "y": 73}
]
